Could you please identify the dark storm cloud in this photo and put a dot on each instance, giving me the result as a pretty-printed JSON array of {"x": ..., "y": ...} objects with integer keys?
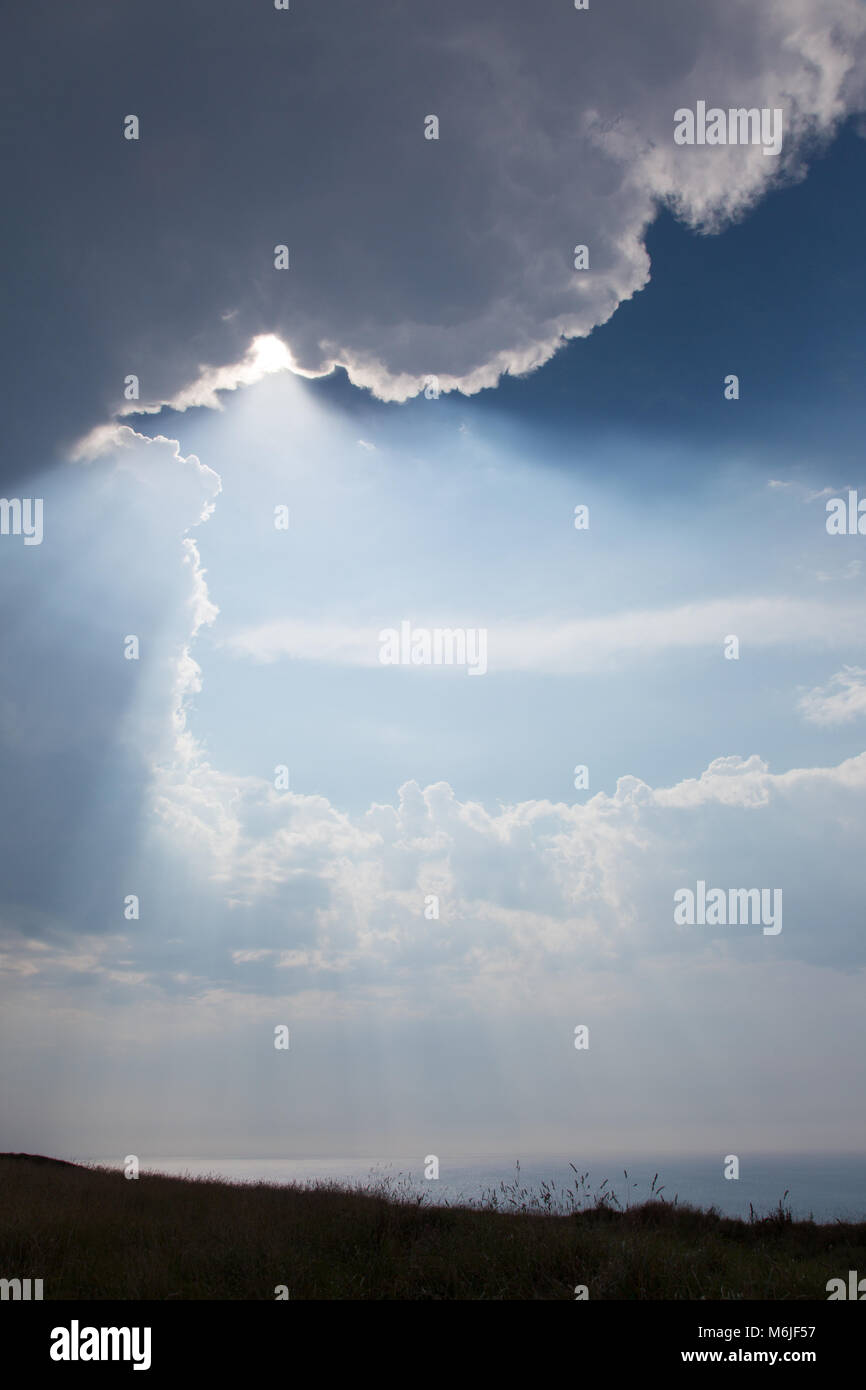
[{"x": 305, "y": 127}]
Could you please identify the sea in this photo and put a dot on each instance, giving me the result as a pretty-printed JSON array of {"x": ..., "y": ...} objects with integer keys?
[{"x": 819, "y": 1187}]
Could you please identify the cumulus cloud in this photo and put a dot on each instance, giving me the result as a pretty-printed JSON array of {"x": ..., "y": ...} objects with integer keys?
[
  {"x": 303, "y": 898},
  {"x": 120, "y": 559},
  {"x": 408, "y": 256},
  {"x": 522, "y": 889},
  {"x": 154, "y": 462}
]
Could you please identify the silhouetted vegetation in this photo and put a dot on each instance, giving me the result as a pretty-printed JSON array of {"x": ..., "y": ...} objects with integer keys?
[{"x": 90, "y": 1233}]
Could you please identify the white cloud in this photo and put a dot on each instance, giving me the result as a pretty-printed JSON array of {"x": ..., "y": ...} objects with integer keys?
[
  {"x": 582, "y": 645},
  {"x": 840, "y": 701},
  {"x": 155, "y": 462},
  {"x": 524, "y": 889}
]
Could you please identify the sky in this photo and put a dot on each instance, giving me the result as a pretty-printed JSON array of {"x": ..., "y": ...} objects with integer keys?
[{"x": 222, "y": 812}]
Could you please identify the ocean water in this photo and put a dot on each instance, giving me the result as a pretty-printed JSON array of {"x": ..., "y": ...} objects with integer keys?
[{"x": 825, "y": 1188}]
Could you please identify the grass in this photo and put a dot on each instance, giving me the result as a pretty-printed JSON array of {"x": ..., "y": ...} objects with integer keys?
[{"x": 90, "y": 1233}]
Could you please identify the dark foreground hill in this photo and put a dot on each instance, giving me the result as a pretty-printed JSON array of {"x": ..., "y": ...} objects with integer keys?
[{"x": 90, "y": 1233}]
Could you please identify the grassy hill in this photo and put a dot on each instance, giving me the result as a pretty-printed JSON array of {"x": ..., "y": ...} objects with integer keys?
[{"x": 91, "y": 1233}]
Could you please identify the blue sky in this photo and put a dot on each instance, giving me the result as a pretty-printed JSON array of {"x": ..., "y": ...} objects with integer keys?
[{"x": 259, "y": 647}]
